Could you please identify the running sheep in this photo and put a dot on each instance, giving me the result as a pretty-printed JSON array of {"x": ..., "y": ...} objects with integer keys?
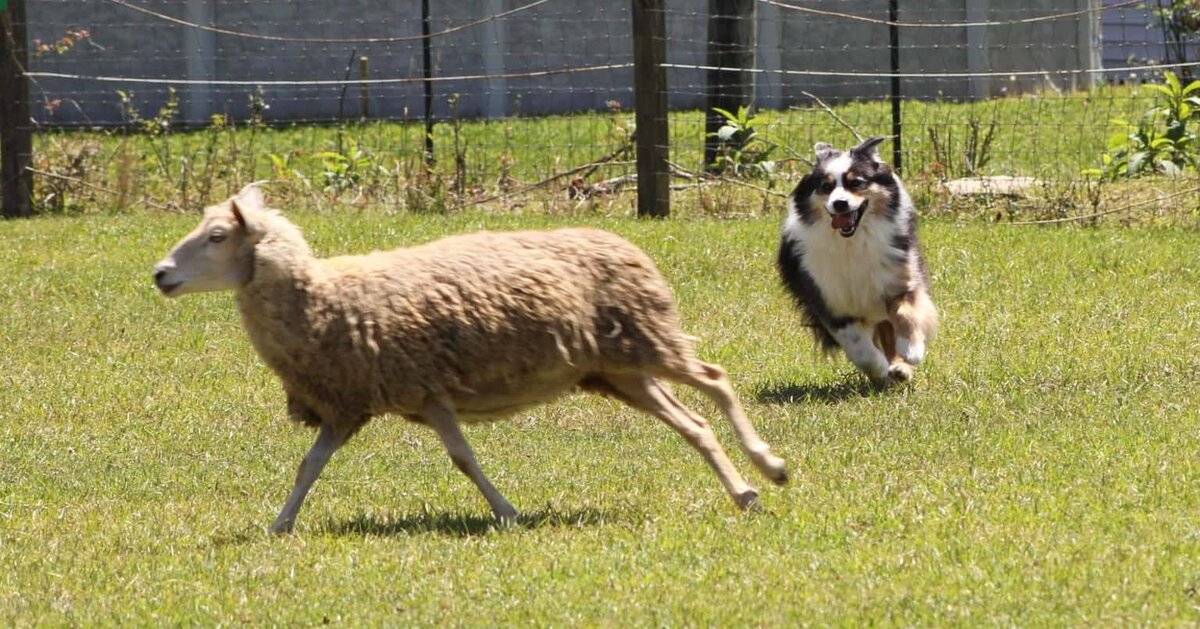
[{"x": 464, "y": 329}]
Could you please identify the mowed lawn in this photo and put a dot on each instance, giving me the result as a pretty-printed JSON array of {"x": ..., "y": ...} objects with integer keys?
[{"x": 1043, "y": 469}]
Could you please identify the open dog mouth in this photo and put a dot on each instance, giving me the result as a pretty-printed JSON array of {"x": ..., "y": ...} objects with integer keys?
[{"x": 847, "y": 222}]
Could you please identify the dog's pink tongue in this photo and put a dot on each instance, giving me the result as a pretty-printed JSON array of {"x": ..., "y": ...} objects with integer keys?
[{"x": 842, "y": 221}]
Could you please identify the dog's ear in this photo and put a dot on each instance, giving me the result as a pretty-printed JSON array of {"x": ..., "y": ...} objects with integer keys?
[
  {"x": 823, "y": 151},
  {"x": 869, "y": 148}
]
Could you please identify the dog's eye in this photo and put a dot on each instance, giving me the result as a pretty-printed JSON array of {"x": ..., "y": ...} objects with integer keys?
[
  {"x": 855, "y": 184},
  {"x": 216, "y": 236},
  {"x": 827, "y": 187}
]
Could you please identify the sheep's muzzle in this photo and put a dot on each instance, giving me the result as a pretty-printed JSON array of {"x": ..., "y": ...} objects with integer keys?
[{"x": 160, "y": 281}]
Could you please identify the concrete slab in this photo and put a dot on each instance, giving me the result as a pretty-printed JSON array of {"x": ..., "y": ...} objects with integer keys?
[{"x": 991, "y": 186}]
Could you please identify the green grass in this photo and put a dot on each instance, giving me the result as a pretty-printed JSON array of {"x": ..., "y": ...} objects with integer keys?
[{"x": 1042, "y": 470}]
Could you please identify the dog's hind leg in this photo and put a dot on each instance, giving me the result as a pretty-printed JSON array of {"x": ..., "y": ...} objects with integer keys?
[{"x": 858, "y": 342}]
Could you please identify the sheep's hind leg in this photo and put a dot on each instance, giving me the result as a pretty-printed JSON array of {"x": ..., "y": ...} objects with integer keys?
[
  {"x": 713, "y": 382},
  {"x": 329, "y": 439},
  {"x": 649, "y": 395},
  {"x": 442, "y": 419}
]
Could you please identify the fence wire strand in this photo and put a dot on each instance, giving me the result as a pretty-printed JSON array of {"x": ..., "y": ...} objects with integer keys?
[
  {"x": 942, "y": 75},
  {"x": 329, "y": 82},
  {"x": 1032, "y": 20},
  {"x": 503, "y": 100},
  {"x": 327, "y": 40}
]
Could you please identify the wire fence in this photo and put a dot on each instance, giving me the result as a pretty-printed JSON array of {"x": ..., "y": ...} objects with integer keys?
[{"x": 437, "y": 105}]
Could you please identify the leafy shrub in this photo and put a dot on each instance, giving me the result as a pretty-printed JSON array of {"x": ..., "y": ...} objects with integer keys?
[
  {"x": 744, "y": 152},
  {"x": 1180, "y": 23},
  {"x": 1163, "y": 141}
]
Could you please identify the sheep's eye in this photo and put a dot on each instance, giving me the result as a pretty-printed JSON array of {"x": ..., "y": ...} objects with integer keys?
[{"x": 217, "y": 236}]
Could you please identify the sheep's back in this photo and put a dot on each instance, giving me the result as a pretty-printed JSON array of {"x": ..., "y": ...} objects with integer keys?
[{"x": 496, "y": 313}]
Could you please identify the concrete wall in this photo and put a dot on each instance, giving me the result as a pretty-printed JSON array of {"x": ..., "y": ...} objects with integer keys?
[
  {"x": 557, "y": 34},
  {"x": 1132, "y": 36},
  {"x": 831, "y": 43}
]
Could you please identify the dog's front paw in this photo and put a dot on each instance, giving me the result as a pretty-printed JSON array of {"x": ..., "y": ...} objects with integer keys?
[
  {"x": 900, "y": 372},
  {"x": 878, "y": 373}
]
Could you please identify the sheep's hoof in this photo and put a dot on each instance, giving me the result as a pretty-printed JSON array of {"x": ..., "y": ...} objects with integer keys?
[
  {"x": 506, "y": 518},
  {"x": 775, "y": 469},
  {"x": 780, "y": 476},
  {"x": 748, "y": 500},
  {"x": 281, "y": 528}
]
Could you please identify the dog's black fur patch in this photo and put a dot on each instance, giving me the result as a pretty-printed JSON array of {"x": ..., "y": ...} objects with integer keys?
[
  {"x": 805, "y": 189},
  {"x": 807, "y": 295}
]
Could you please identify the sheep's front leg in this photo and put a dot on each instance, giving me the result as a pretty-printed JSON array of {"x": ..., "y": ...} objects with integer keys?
[
  {"x": 328, "y": 441},
  {"x": 442, "y": 419},
  {"x": 858, "y": 343}
]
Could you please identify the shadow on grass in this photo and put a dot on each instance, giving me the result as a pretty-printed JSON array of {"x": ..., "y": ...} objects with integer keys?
[
  {"x": 466, "y": 525},
  {"x": 450, "y": 524},
  {"x": 247, "y": 535},
  {"x": 828, "y": 393}
]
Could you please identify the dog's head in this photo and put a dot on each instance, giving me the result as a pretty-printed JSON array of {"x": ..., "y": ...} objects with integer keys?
[{"x": 843, "y": 187}]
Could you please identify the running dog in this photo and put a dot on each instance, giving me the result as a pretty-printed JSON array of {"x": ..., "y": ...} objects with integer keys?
[{"x": 849, "y": 255}]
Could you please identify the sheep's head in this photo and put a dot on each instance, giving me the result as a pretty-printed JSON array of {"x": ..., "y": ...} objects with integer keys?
[{"x": 219, "y": 254}]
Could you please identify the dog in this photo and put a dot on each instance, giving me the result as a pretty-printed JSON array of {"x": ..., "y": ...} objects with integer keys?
[{"x": 848, "y": 254}]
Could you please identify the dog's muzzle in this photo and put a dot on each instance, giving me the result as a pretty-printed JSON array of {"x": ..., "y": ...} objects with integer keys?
[{"x": 847, "y": 222}]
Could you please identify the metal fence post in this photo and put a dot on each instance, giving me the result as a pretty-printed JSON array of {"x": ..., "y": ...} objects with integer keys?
[
  {"x": 364, "y": 89},
  {"x": 650, "y": 105},
  {"x": 16, "y": 130},
  {"x": 897, "y": 127},
  {"x": 427, "y": 74}
]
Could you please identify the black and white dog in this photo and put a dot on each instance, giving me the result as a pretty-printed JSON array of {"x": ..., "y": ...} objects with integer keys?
[{"x": 849, "y": 256}]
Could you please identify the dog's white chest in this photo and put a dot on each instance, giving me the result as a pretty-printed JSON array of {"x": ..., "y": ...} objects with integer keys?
[{"x": 854, "y": 274}]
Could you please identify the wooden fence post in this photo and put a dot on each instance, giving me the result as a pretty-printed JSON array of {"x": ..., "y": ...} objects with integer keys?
[
  {"x": 16, "y": 130},
  {"x": 732, "y": 37},
  {"x": 650, "y": 108}
]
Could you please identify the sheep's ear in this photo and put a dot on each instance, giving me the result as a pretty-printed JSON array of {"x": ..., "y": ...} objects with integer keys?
[
  {"x": 247, "y": 219},
  {"x": 248, "y": 209},
  {"x": 251, "y": 196},
  {"x": 824, "y": 151},
  {"x": 869, "y": 148}
]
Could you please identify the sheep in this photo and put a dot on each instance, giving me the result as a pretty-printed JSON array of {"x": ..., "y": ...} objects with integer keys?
[{"x": 463, "y": 329}]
